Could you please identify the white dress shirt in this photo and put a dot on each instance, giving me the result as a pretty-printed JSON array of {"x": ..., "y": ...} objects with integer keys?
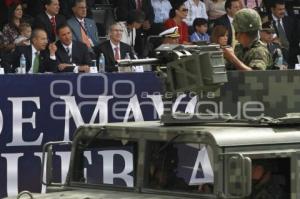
[
  {"x": 161, "y": 10},
  {"x": 230, "y": 19},
  {"x": 49, "y": 16},
  {"x": 82, "y": 24},
  {"x": 195, "y": 11},
  {"x": 128, "y": 36}
]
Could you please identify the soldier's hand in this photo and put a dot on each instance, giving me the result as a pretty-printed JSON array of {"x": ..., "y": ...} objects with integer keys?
[
  {"x": 283, "y": 67},
  {"x": 228, "y": 53}
]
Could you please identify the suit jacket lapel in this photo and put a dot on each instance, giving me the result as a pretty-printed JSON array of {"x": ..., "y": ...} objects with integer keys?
[
  {"x": 48, "y": 23},
  {"x": 41, "y": 61},
  {"x": 74, "y": 53},
  {"x": 110, "y": 51},
  {"x": 29, "y": 55},
  {"x": 122, "y": 51},
  {"x": 65, "y": 56},
  {"x": 275, "y": 26},
  {"x": 77, "y": 30},
  {"x": 286, "y": 26},
  {"x": 228, "y": 23}
]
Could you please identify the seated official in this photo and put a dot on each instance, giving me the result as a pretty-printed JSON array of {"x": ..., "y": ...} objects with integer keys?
[
  {"x": 113, "y": 49},
  {"x": 36, "y": 55},
  {"x": 71, "y": 56},
  {"x": 83, "y": 29},
  {"x": 170, "y": 36}
]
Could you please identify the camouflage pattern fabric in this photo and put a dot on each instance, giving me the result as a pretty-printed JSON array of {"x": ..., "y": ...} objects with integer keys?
[
  {"x": 267, "y": 190},
  {"x": 246, "y": 20},
  {"x": 256, "y": 56}
]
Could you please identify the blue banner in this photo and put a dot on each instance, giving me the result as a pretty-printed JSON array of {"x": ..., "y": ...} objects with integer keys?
[{"x": 35, "y": 109}]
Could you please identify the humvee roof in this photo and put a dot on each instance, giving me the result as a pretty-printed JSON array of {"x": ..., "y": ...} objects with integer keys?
[{"x": 241, "y": 134}]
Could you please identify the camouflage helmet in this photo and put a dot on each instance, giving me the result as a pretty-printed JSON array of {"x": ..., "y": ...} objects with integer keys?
[{"x": 246, "y": 20}]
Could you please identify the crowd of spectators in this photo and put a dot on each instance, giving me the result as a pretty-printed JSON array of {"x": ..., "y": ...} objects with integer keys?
[{"x": 72, "y": 38}]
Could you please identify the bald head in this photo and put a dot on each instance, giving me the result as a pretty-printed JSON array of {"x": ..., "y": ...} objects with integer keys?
[{"x": 39, "y": 39}]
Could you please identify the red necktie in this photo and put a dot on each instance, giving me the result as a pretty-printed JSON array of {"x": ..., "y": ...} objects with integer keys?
[
  {"x": 117, "y": 54},
  {"x": 139, "y": 4},
  {"x": 53, "y": 24},
  {"x": 9, "y": 2}
]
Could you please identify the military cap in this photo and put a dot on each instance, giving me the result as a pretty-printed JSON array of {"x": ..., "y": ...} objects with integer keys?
[
  {"x": 268, "y": 27},
  {"x": 171, "y": 32},
  {"x": 246, "y": 20}
]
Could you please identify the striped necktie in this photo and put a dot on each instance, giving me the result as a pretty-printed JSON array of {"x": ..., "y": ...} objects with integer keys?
[
  {"x": 282, "y": 35},
  {"x": 68, "y": 51}
]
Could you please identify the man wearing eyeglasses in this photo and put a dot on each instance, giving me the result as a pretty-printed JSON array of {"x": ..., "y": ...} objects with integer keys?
[
  {"x": 113, "y": 49},
  {"x": 83, "y": 29},
  {"x": 178, "y": 14}
]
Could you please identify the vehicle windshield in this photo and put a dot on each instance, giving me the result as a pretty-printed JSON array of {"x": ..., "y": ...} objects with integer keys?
[
  {"x": 107, "y": 162},
  {"x": 184, "y": 167},
  {"x": 271, "y": 178}
]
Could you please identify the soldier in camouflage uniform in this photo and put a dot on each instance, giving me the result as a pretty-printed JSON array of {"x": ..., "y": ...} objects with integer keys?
[
  {"x": 264, "y": 185},
  {"x": 250, "y": 53}
]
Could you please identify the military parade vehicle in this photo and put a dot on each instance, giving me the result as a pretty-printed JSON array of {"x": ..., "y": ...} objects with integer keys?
[{"x": 187, "y": 154}]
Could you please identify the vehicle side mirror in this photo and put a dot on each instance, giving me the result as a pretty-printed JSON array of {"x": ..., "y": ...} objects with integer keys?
[
  {"x": 238, "y": 178},
  {"x": 47, "y": 163}
]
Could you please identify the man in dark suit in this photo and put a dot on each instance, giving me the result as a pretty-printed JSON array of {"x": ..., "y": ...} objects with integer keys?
[
  {"x": 50, "y": 19},
  {"x": 34, "y": 7},
  {"x": 286, "y": 29},
  {"x": 114, "y": 49},
  {"x": 123, "y": 8},
  {"x": 71, "y": 56},
  {"x": 231, "y": 7},
  {"x": 36, "y": 55}
]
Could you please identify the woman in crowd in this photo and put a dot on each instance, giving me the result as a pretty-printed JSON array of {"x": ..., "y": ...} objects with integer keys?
[
  {"x": 134, "y": 21},
  {"x": 11, "y": 29},
  {"x": 177, "y": 15},
  {"x": 196, "y": 9},
  {"x": 219, "y": 35},
  {"x": 215, "y": 8}
]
